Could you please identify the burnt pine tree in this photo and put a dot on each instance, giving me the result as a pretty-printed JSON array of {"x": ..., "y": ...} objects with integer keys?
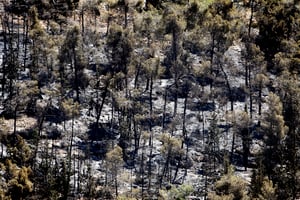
[
  {"x": 119, "y": 47},
  {"x": 243, "y": 125},
  {"x": 71, "y": 110},
  {"x": 173, "y": 62},
  {"x": 220, "y": 28},
  {"x": 255, "y": 70},
  {"x": 72, "y": 62},
  {"x": 114, "y": 162}
]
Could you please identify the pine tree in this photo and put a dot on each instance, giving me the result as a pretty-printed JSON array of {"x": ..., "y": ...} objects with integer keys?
[
  {"x": 276, "y": 21},
  {"x": 219, "y": 25},
  {"x": 274, "y": 130},
  {"x": 172, "y": 152},
  {"x": 173, "y": 61},
  {"x": 242, "y": 125},
  {"x": 19, "y": 151},
  {"x": 119, "y": 54},
  {"x": 72, "y": 60},
  {"x": 71, "y": 110},
  {"x": 38, "y": 36},
  {"x": 289, "y": 94},
  {"x": 114, "y": 161},
  {"x": 255, "y": 74},
  {"x": 229, "y": 187},
  {"x": 268, "y": 190},
  {"x": 18, "y": 184}
]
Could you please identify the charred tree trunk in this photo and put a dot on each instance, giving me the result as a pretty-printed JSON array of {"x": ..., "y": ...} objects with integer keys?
[
  {"x": 82, "y": 22},
  {"x": 176, "y": 97},
  {"x": 76, "y": 71},
  {"x": 4, "y": 61},
  {"x": 25, "y": 40},
  {"x": 259, "y": 102},
  {"x": 165, "y": 107},
  {"x": 109, "y": 18},
  {"x": 99, "y": 108},
  {"x": 151, "y": 103},
  {"x": 250, "y": 94},
  {"x": 212, "y": 54},
  {"x": 137, "y": 75},
  {"x": 15, "y": 118},
  {"x": 228, "y": 87},
  {"x": 231, "y": 108}
]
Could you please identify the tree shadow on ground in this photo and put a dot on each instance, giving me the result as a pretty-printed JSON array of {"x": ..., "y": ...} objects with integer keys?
[
  {"x": 201, "y": 106},
  {"x": 100, "y": 137},
  {"x": 99, "y": 132},
  {"x": 54, "y": 115}
]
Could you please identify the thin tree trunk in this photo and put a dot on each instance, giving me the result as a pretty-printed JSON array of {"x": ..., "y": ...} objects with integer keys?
[
  {"x": 175, "y": 98},
  {"x": 150, "y": 160},
  {"x": 231, "y": 108},
  {"x": 232, "y": 146},
  {"x": 62, "y": 79},
  {"x": 184, "y": 118},
  {"x": 165, "y": 107},
  {"x": 151, "y": 103},
  {"x": 4, "y": 61},
  {"x": 82, "y": 22},
  {"x": 184, "y": 136},
  {"x": 166, "y": 168},
  {"x": 212, "y": 53},
  {"x": 205, "y": 187},
  {"x": 147, "y": 84},
  {"x": 2, "y": 148},
  {"x": 99, "y": 110},
  {"x": 150, "y": 164},
  {"x": 184, "y": 131},
  {"x": 125, "y": 13},
  {"x": 116, "y": 186},
  {"x": 203, "y": 125},
  {"x": 228, "y": 87},
  {"x": 142, "y": 168},
  {"x": 246, "y": 84},
  {"x": 71, "y": 145},
  {"x": 79, "y": 164},
  {"x": 15, "y": 118},
  {"x": 41, "y": 122},
  {"x": 76, "y": 76},
  {"x": 137, "y": 74},
  {"x": 250, "y": 95},
  {"x": 112, "y": 112},
  {"x": 177, "y": 169},
  {"x": 136, "y": 136},
  {"x": 25, "y": 41},
  {"x": 18, "y": 35},
  {"x": 108, "y": 20},
  {"x": 259, "y": 102}
]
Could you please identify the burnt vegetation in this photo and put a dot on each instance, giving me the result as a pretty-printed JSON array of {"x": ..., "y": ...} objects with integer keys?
[{"x": 155, "y": 99}]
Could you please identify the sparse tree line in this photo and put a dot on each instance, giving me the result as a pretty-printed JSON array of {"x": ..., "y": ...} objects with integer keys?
[{"x": 178, "y": 102}]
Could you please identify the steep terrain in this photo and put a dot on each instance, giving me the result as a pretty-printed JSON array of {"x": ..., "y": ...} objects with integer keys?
[{"x": 147, "y": 100}]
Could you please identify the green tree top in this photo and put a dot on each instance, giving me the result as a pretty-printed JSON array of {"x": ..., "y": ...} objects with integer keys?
[{"x": 229, "y": 187}]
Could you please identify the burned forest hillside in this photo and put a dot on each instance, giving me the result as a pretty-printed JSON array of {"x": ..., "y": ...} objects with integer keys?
[{"x": 149, "y": 99}]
